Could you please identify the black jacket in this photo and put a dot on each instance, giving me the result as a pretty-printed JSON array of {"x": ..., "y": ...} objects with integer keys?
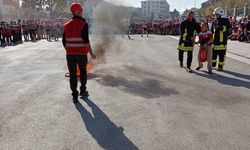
[
  {"x": 188, "y": 30},
  {"x": 221, "y": 32}
]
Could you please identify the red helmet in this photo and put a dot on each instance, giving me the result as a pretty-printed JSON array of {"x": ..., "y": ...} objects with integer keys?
[{"x": 76, "y": 7}]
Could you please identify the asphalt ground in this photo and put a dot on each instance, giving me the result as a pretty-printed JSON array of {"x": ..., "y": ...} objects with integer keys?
[{"x": 139, "y": 99}]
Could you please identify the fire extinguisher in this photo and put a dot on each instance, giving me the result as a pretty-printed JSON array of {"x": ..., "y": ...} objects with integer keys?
[{"x": 203, "y": 54}]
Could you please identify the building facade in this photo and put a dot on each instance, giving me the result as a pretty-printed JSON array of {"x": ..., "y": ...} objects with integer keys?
[
  {"x": 9, "y": 10},
  {"x": 155, "y": 9}
]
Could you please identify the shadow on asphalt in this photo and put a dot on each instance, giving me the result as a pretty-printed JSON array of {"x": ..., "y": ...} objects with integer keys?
[
  {"x": 147, "y": 88},
  {"x": 228, "y": 80},
  {"x": 144, "y": 83},
  {"x": 102, "y": 129},
  {"x": 239, "y": 75}
]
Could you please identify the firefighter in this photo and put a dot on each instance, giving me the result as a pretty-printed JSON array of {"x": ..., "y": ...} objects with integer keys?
[
  {"x": 77, "y": 45},
  {"x": 220, "y": 29},
  {"x": 189, "y": 29}
]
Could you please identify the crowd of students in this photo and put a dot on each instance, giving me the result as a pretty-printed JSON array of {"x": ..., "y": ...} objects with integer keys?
[
  {"x": 240, "y": 28},
  {"x": 159, "y": 27},
  {"x": 15, "y": 32}
]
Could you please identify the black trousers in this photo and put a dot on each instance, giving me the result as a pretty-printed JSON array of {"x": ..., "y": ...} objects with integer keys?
[
  {"x": 15, "y": 37},
  {"x": 81, "y": 61},
  {"x": 222, "y": 56},
  {"x": 32, "y": 34},
  {"x": 20, "y": 36},
  {"x": 189, "y": 57}
]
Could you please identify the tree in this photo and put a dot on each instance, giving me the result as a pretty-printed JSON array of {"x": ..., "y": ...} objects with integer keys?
[
  {"x": 51, "y": 6},
  {"x": 33, "y": 4},
  {"x": 55, "y": 6}
]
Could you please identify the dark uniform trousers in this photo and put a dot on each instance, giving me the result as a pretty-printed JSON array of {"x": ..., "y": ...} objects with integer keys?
[
  {"x": 189, "y": 57},
  {"x": 81, "y": 61},
  {"x": 222, "y": 55}
]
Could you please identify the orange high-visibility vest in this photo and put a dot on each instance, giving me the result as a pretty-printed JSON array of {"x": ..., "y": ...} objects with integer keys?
[{"x": 73, "y": 36}]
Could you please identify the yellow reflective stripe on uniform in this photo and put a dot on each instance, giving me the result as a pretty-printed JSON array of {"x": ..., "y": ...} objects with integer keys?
[
  {"x": 214, "y": 61},
  {"x": 224, "y": 29},
  {"x": 222, "y": 33},
  {"x": 220, "y": 47},
  {"x": 185, "y": 35},
  {"x": 194, "y": 33},
  {"x": 221, "y": 36},
  {"x": 184, "y": 48},
  {"x": 222, "y": 63}
]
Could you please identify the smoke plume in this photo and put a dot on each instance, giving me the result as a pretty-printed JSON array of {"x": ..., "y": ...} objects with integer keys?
[{"x": 108, "y": 21}]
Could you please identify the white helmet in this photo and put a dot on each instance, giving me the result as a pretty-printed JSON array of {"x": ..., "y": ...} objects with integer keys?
[{"x": 219, "y": 10}]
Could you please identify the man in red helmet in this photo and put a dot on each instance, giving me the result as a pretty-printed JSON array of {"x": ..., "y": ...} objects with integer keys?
[{"x": 77, "y": 45}]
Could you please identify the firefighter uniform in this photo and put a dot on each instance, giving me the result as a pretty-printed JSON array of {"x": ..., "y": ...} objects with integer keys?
[
  {"x": 220, "y": 29},
  {"x": 189, "y": 29}
]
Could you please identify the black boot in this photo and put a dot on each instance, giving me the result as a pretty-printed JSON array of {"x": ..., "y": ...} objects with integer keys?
[
  {"x": 75, "y": 97},
  {"x": 198, "y": 68},
  {"x": 181, "y": 65},
  {"x": 189, "y": 70},
  {"x": 84, "y": 94}
]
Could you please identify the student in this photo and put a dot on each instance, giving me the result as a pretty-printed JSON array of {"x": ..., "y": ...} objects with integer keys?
[{"x": 206, "y": 41}]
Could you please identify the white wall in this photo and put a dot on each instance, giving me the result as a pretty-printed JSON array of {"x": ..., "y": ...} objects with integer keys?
[
  {"x": 157, "y": 8},
  {"x": 9, "y": 12}
]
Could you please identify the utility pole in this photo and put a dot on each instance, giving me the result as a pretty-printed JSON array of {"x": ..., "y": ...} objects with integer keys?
[{"x": 226, "y": 11}]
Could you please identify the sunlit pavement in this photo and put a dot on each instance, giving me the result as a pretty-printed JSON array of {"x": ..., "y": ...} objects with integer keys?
[{"x": 139, "y": 99}]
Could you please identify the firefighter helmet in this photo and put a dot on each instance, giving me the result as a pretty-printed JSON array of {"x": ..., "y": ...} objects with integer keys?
[{"x": 219, "y": 11}]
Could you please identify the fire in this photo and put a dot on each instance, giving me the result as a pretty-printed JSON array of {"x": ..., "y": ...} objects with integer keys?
[{"x": 89, "y": 68}]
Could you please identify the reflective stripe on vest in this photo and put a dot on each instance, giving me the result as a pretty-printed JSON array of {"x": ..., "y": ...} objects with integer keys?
[
  {"x": 74, "y": 40},
  {"x": 75, "y": 45}
]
